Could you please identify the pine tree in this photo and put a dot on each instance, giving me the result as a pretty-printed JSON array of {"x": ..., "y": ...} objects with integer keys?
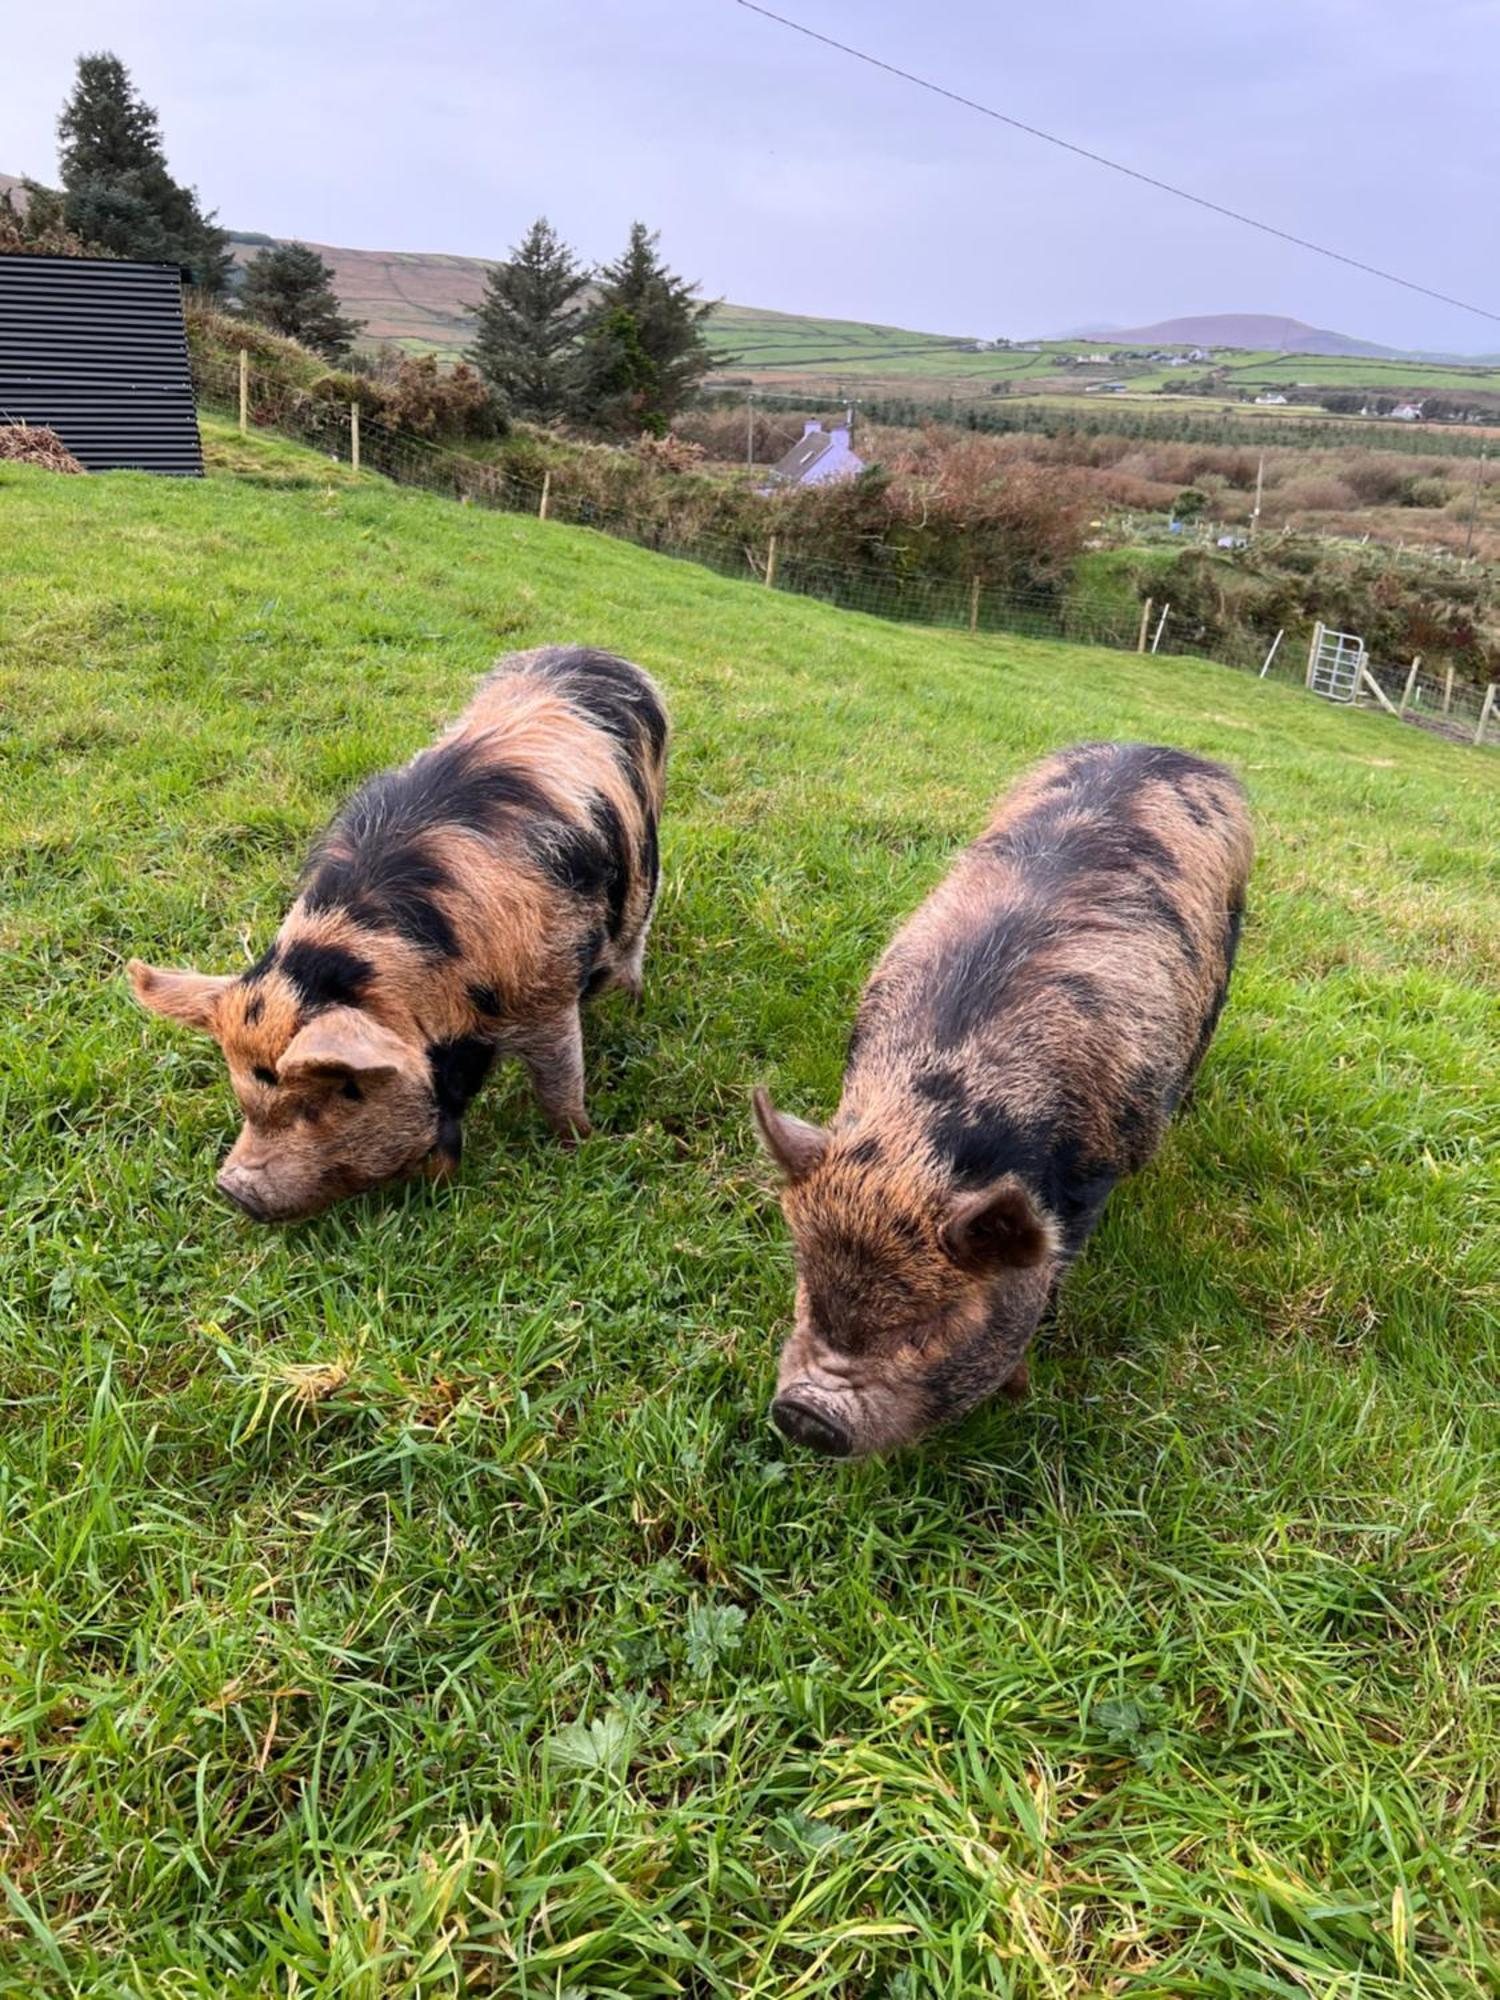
[
  {"x": 526, "y": 334},
  {"x": 118, "y": 191},
  {"x": 644, "y": 346},
  {"x": 290, "y": 290}
]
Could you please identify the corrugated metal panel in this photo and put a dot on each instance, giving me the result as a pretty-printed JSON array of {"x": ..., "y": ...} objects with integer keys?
[{"x": 97, "y": 350}]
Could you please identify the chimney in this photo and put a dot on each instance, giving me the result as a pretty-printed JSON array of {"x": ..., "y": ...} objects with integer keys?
[{"x": 810, "y": 425}]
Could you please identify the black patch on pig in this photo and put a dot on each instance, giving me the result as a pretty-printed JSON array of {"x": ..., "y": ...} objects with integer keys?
[
  {"x": 263, "y": 1075},
  {"x": 959, "y": 1380},
  {"x": 454, "y": 785},
  {"x": 264, "y": 964},
  {"x": 591, "y": 974},
  {"x": 458, "y": 1069},
  {"x": 255, "y": 1006},
  {"x": 651, "y": 864},
  {"x": 1140, "y": 1116},
  {"x": 864, "y": 1152},
  {"x": 1087, "y": 994},
  {"x": 614, "y": 695},
  {"x": 940, "y": 1086},
  {"x": 589, "y": 858},
  {"x": 375, "y": 861},
  {"x": 978, "y": 970},
  {"x": 326, "y": 975},
  {"x": 1233, "y": 925},
  {"x": 388, "y": 885},
  {"x": 980, "y": 1143},
  {"x": 484, "y": 1000},
  {"x": 1158, "y": 906}
]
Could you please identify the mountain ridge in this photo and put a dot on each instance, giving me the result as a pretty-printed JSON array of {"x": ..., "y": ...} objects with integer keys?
[{"x": 425, "y": 301}]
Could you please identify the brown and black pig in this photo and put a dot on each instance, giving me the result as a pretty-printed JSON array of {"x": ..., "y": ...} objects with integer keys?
[
  {"x": 1021, "y": 1046},
  {"x": 458, "y": 908}
]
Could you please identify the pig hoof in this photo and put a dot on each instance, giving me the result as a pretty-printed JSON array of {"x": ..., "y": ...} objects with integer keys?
[
  {"x": 1017, "y": 1384},
  {"x": 568, "y": 1131}
]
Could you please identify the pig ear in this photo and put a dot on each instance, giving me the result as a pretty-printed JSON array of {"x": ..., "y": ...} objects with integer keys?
[
  {"x": 344, "y": 1041},
  {"x": 999, "y": 1228},
  {"x": 792, "y": 1143},
  {"x": 189, "y": 997}
]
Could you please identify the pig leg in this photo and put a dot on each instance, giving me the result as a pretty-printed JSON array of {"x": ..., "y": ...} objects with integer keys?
[
  {"x": 630, "y": 977},
  {"x": 1017, "y": 1384},
  {"x": 553, "y": 1055}
]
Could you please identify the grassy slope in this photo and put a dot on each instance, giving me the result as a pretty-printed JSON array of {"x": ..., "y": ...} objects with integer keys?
[{"x": 523, "y": 1643}]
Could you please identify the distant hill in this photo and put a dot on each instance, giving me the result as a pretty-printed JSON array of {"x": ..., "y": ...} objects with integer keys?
[
  {"x": 1260, "y": 332},
  {"x": 425, "y": 301}
]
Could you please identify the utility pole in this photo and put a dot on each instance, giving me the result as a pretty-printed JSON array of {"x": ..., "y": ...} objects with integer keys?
[
  {"x": 1260, "y": 477},
  {"x": 1474, "y": 500},
  {"x": 750, "y": 427}
]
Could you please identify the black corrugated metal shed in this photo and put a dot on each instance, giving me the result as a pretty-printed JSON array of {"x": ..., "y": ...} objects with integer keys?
[{"x": 96, "y": 349}]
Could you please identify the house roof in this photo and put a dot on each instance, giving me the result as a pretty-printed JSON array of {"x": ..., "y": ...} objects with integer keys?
[{"x": 804, "y": 454}]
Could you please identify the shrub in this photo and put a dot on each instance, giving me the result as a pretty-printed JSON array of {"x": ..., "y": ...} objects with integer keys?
[
  {"x": 435, "y": 402},
  {"x": 1311, "y": 493},
  {"x": 1428, "y": 492},
  {"x": 670, "y": 453}
]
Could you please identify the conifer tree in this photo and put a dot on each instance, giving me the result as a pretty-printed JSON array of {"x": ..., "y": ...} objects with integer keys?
[
  {"x": 118, "y": 192},
  {"x": 290, "y": 289},
  {"x": 644, "y": 346},
  {"x": 526, "y": 336}
]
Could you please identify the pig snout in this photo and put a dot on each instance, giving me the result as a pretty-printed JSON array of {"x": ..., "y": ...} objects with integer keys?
[
  {"x": 237, "y": 1185},
  {"x": 807, "y": 1418},
  {"x": 270, "y": 1183},
  {"x": 247, "y": 1190}
]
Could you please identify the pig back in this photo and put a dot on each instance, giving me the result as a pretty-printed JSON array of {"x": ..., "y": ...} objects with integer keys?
[{"x": 1044, "y": 1011}]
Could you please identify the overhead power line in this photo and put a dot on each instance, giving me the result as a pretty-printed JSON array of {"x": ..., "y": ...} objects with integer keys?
[{"x": 1115, "y": 166}]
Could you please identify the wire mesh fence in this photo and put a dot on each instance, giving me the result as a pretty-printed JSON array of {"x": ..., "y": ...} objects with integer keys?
[{"x": 269, "y": 403}]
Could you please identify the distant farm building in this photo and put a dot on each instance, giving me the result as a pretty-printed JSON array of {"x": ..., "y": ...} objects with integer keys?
[
  {"x": 818, "y": 457},
  {"x": 1407, "y": 412},
  {"x": 95, "y": 349},
  {"x": 1271, "y": 396}
]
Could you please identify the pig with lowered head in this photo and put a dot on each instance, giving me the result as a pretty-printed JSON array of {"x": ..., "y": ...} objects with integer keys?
[
  {"x": 458, "y": 908},
  {"x": 1019, "y": 1048}
]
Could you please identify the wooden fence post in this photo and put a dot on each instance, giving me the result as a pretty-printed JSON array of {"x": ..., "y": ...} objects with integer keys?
[
  {"x": 244, "y": 389},
  {"x": 1484, "y": 713},
  {"x": 974, "y": 605},
  {"x": 1312, "y": 652},
  {"x": 1377, "y": 690},
  {"x": 542, "y": 504},
  {"x": 1447, "y": 690},
  {"x": 771, "y": 564},
  {"x": 1146, "y": 610},
  {"x": 354, "y": 436},
  {"x": 1410, "y": 688}
]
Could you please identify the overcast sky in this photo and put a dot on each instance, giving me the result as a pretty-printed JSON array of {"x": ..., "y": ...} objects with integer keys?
[{"x": 784, "y": 175}]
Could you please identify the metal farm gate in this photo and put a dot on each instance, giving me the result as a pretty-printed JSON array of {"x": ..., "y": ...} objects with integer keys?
[
  {"x": 96, "y": 349},
  {"x": 1335, "y": 663}
]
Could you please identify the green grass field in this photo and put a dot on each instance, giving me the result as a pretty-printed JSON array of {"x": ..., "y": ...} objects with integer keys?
[{"x": 418, "y": 1602}]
